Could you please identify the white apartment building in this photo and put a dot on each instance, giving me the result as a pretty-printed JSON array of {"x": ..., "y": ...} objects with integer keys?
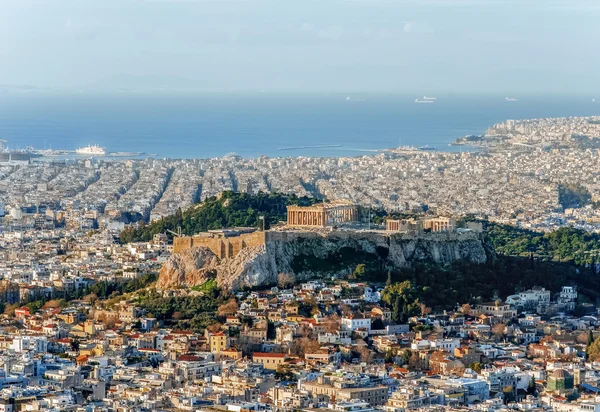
[{"x": 355, "y": 321}]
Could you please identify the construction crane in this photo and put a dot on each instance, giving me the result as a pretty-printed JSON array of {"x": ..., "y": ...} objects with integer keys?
[
  {"x": 179, "y": 232},
  {"x": 1, "y": 142}
]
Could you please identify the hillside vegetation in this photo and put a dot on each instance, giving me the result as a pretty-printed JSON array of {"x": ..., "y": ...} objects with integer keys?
[
  {"x": 519, "y": 259},
  {"x": 226, "y": 211},
  {"x": 235, "y": 209},
  {"x": 564, "y": 245}
]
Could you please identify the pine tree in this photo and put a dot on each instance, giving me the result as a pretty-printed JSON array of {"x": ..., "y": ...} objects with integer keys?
[
  {"x": 531, "y": 386},
  {"x": 405, "y": 313},
  {"x": 397, "y": 307},
  {"x": 389, "y": 278},
  {"x": 593, "y": 350}
]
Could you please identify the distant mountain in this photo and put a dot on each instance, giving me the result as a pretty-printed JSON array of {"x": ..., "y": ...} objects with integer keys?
[
  {"x": 22, "y": 88},
  {"x": 146, "y": 82}
]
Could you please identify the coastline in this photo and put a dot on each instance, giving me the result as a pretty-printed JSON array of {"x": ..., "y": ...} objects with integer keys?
[{"x": 187, "y": 126}]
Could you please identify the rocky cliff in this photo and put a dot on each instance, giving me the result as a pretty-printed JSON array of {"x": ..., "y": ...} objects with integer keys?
[
  {"x": 188, "y": 268},
  {"x": 312, "y": 254}
]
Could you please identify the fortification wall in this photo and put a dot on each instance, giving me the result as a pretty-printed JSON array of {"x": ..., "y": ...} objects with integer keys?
[
  {"x": 228, "y": 247},
  {"x": 223, "y": 247}
]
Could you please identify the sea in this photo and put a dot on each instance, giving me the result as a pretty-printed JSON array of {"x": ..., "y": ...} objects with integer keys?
[{"x": 203, "y": 125}]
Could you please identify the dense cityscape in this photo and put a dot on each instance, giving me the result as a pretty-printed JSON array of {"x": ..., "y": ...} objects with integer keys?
[
  {"x": 298, "y": 206},
  {"x": 92, "y": 322},
  {"x": 514, "y": 183}
]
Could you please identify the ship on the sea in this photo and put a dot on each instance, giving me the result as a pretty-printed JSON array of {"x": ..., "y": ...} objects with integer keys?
[
  {"x": 424, "y": 101},
  {"x": 93, "y": 150}
]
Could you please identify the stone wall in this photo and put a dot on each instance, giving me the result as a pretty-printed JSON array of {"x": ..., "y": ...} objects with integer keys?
[{"x": 222, "y": 247}]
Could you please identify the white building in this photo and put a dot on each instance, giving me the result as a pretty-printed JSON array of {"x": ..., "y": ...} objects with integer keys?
[
  {"x": 567, "y": 298},
  {"x": 37, "y": 344},
  {"x": 536, "y": 298},
  {"x": 355, "y": 321},
  {"x": 370, "y": 295},
  {"x": 446, "y": 344}
]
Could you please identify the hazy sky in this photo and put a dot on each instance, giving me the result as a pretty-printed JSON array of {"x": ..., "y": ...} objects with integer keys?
[{"x": 325, "y": 45}]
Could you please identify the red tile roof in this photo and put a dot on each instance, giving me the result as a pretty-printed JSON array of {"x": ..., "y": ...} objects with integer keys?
[{"x": 268, "y": 355}]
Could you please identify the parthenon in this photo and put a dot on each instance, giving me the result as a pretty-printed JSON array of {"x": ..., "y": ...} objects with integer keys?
[{"x": 321, "y": 215}]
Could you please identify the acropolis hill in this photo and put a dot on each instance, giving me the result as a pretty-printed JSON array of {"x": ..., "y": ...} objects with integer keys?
[{"x": 255, "y": 258}]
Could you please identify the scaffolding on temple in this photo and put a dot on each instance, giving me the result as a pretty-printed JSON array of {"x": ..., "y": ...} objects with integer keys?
[{"x": 322, "y": 215}]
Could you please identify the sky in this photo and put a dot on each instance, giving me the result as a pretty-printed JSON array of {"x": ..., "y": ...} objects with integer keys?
[{"x": 429, "y": 46}]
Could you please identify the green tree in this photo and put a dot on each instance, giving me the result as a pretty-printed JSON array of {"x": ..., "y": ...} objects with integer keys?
[
  {"x": 406, "y": 355},
  {"x": 228, "y": 210},
  {"x": 531, "y": 386},
  {"x": 359, "y": 272},
  {"x": 593, "y": 350},
  {"x": 270, "y": 330},
  {"x": 397, "y": 310},
  {"x": 476, "y": 366}
]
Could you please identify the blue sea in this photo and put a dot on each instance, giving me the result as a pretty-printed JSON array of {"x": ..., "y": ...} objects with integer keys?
[{"x": 186, "y": 125}]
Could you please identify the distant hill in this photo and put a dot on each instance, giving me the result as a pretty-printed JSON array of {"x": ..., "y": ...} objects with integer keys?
[{"x": 152, "y": 82}]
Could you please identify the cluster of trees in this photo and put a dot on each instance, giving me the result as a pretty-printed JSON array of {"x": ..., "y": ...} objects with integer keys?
[
  {"x": 230, "y": 209},
  {"x": 573, "y": 195},
  {"x": 410, "y": 291},
  {"x": 403, "y": 298},
  {"x": 187, "y": 312},
  {"x": 586, "y": 142},
  {"x": 112, "y": 288},
  {"x": 565, "y": 244},
  {"x": 592, "y": 349},
  {"x": 107, "y": 289}
]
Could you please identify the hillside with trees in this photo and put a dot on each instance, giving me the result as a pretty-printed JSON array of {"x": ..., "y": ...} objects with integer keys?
[
  {"x": 562, "y": 245},
  {"x": 519, "y": 258},
  {"x": 228, "y": 210}
]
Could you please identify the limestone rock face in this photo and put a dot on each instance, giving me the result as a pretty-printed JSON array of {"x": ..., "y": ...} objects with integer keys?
[
  {"x": 189, "y": 268},
  {"x": 251, "y": 267},
  {"x": 310, "y": 254}
]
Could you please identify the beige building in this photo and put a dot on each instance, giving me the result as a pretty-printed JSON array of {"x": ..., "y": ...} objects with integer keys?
[
  {"x": 225, "y": 243},
  {"x": 218, "y": 342},
  {"x": 497, "y": 309},
  {"x": 434, "y": 224},
  {"x": 231, "y": 353},
  {"x": 269, "y": 360},
  {"x": 439, "y": 224},
  {"x": 403, "y": 225},
  {"x": 256, "y": 335},
  {"x": 377, "y": 395}
]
